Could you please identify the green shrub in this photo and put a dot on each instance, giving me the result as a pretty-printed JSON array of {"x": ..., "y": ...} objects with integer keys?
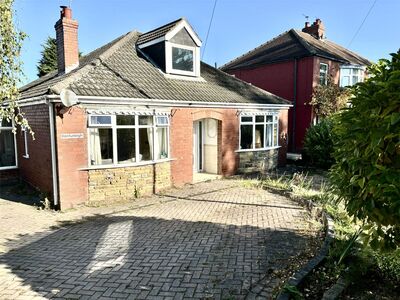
[
  {"x": 366, "y": 174},
  {"x": 318, "y": 144},
  {"x": 389, "y": 264}
]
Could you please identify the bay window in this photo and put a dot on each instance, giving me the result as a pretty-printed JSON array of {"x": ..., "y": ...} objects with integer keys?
[
  {"x": 258, "y": 132},
  {"x": 7, "y": 145},
  {"x": 127, "y": 139}
]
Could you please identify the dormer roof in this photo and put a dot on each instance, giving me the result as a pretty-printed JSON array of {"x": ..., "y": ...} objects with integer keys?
[{"x": 166, "y": 32}]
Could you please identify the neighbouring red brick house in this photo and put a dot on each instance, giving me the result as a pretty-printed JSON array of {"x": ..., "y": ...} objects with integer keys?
[
  {"x": 292, "y": 64},
  {"x": 136, "y": 116}
]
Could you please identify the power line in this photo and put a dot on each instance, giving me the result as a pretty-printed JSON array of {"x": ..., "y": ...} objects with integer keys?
[
  {"x": 362, "y": 23},
  {"x": 208, "y": 31}
]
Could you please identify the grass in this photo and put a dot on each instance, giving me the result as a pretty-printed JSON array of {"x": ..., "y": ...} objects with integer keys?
[{"x": 364, "y": 269}]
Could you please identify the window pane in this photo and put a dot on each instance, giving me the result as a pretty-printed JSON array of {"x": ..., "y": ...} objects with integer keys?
[
  {"x": 145, "y": 120},
  {"x": 355, "y": 79},
  {"x": 162, "y": 143},
  {"x": 269, "y": 118},
  {"x": 260, "y": 119},
  {"x": 246, "y": 136},
  {"x": 275, "y": 135},
  {"x": 345, "y": 81},
  {"x": 145, "y": 144},
  {"x": 345, "y": 72},
  {"x": 182, "y": 59},
  {"x": 323, "y": 68},
  {"x": 7, "y": 148},
  {"x": 162, "y": 120},
  {"x": 126, "y": 145},
  {"x": 5, "y": 123},
  {"x": 125, "y": 120},
  {"x": 269, "y": 136},
  {"x": 103, "y": 120},
  {"x": 101, "y": 147},
  {"x": 259, "y": 136},
  {"x": 247, "y": 119}
]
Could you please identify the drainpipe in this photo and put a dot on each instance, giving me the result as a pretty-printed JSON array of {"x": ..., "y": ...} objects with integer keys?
[
  {"x": 53, "y": 156},
  {"x": 294, "y": 106}
]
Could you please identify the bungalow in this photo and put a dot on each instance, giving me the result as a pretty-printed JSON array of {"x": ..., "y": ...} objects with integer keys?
[
  {"x": 136, "y": 116},
  {"x": 292, "y": 64}
]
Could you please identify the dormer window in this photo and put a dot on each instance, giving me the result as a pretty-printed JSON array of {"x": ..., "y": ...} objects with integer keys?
[{"x": 174, "y": 48}]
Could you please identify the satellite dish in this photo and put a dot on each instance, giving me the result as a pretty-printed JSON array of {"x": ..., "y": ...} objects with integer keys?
[{"x": 68, "y": 98}]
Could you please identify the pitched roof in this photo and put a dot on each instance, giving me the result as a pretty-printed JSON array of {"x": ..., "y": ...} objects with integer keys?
[
  {"x": 158, "y": 32},
  {"x": 119, "y": 70},
  {"x": 294, "y": 44}
]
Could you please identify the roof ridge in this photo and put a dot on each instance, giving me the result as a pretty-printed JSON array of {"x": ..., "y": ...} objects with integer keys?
[
  {"x": 302, "y": 41},
  {"x": 165, "y": 25},
  {"x": 254, "y": 49},
  {"x": 74, "y": 76}
]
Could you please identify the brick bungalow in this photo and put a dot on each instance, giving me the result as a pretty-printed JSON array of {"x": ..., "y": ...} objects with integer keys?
[
  {"x": 138, "y": 115},
  {"x": 292, "y": 64}
]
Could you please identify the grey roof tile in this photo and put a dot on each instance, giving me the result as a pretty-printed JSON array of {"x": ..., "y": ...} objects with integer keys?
[{"x": 118, "y": 70}]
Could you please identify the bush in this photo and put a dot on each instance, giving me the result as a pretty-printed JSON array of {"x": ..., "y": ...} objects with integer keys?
[
  {"x": 367, "y": 153},
  {"x": 389, "y": 264},
  {"x": 318, "y": 144}
]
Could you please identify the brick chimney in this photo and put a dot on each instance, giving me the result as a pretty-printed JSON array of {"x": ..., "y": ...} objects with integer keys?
[
  {"x": 317, "y": 29},
  {"x": 67, "y": 41}
]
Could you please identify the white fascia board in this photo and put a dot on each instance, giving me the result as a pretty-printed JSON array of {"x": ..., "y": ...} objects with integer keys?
[
  {"x": 186, "y": 25},
  {"x": 170, "y": 103},
  {"x": 152, "y": 42}
]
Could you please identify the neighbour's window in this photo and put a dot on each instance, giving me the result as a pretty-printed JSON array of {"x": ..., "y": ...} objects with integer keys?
[
  {"x": 323, "y": 74},
  {"x": 258, "y": 131},
  {"x": 25, "y": 133},
  {"x": 127, "y": 139},
  {"x": 7, "y": 145},
  {"x": 350, "y": 76}
]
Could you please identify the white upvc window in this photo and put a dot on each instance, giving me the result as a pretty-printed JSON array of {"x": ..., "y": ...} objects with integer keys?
[
  {"x": 182, "y": 59},
  {"x": 323, "y": 74},
  {"x": 26, "y": 150},
  {"x": 258, "y": 132},
  {"x": 350, "y": 75},
  {"x": 8, "y": 146},
  {"x": 127, "y": 139}
]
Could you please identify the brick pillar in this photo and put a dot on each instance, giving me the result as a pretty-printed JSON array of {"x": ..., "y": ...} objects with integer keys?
[{"x": 67, "y": 41}]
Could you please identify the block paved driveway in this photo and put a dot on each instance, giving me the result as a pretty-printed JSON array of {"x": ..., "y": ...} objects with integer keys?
[{"x": 214, "y": 240}]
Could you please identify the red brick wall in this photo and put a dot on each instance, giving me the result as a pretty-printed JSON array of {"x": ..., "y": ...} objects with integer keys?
[
  {"x": 283, "y": 137},
  {"x": 72, "y": 156},
  {"x": 36, "y": 169},
  {"x": 8, "y": 176},
  {"x": 181, "y": 135}
]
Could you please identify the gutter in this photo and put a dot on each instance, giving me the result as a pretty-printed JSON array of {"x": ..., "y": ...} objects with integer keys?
[
  {"x": 54, "y": 169},
  {"x": 168, "y": 103}
]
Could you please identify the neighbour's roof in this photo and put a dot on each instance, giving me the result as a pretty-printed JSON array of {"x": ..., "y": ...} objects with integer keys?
[
  {"x": 119, "y": 70},
  {"x": 294, "y": 44}
]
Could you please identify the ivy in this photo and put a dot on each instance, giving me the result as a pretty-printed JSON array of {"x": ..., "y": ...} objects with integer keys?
[{"x": 366, "y": 174}]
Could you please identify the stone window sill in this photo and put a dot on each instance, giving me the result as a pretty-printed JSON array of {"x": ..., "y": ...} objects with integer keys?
[
  {"x": 258, "y": 150},
  {"x": 145, "y": 163}
]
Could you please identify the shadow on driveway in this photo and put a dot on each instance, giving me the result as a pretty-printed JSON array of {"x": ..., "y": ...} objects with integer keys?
[{"x": 147, "y": 257}]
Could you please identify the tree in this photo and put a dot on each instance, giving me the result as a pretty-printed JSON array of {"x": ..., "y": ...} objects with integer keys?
[
  {"x": 329, "y": 99},
  {"x": 366, "y": 174},
  {"x": 48, "y": 62},
  {"x": 10, "y": 66}
]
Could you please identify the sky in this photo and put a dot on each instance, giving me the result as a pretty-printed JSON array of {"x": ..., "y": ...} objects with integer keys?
[{"x": 238, "y": 25}]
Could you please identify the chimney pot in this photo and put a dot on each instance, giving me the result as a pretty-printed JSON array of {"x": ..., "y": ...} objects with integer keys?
[
  {"x": 307, "y": 24},
  {"x": 317, "y": 29},
  {"x": 66, "y": 12}
]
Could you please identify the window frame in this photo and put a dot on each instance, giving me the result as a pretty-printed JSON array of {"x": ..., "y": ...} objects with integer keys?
[
  {"x": 10, "y": 128},
  {"x": 253, "y": 122},
  {"x": 325, "y": 72},
  {"x": 26, "y": 148},
  {"x": 360, "y": 75},
  {"x": 168, "y": 60},
  {"x": 114, "y": 127}
]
